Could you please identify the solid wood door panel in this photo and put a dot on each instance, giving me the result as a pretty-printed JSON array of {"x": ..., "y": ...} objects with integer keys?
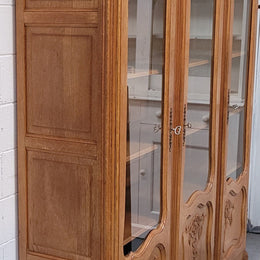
[
  {"x": 197, "y": 236},
  {"x": 234, "y": 224},
  {"x": 62, "y": 82},
  {"x": 158, "y": 253},
  {"x": 61, "y": 205}
]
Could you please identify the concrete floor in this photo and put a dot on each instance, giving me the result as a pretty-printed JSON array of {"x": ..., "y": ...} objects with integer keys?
[{"x": 253, "y": 246}]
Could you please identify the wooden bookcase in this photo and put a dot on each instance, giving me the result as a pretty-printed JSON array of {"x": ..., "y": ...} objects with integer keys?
[{"x": 134, "y": 122}]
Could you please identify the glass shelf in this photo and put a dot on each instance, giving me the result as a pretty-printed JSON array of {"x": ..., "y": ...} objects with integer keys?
[{"x": 190, "y": 131}]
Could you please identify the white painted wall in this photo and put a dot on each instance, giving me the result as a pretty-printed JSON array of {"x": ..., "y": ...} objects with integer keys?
[
  {"x": 8, "y": 186},
  {"x": 254, "y": 191},
  {"x": 254, "y": 185}
]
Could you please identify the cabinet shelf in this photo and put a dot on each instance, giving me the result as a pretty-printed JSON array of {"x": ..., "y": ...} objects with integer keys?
[
  {"x": 197, "y": 62},
  {"x": 196, "y": 127},
  {"x": 155, "y": 35},
  {"x": 200, "y": 62},
  {"x": 140, "y": 74},
  {"x": 209, "y": 37},
  {"x": 236, "y": 54},
  {"x": 190, "y": 131},
  {"x": 233, "y": 169},
  {"x": 137, "y": 153},
  {"x": 139, "y": 231},
  {"x": 201, "y": 37},
  {"x": 193, "y": 63}
]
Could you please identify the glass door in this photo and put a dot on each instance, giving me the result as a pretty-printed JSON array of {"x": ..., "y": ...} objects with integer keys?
[
  {"x": 199, "y": 146},
  {"x": 145, "y": 89},
  {"x": 198, "y": 109},
  {"x": 238, "y": 88},
  {"x": 236, "y": 138}
]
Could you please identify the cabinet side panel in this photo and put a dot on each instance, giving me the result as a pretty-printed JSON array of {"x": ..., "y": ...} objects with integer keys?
[{"x": 59, "y": 86}]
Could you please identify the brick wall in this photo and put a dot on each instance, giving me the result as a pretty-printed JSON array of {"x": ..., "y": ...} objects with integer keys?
[{"x": 8, "y": 185}]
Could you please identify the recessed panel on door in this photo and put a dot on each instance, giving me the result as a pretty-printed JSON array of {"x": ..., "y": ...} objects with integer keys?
[
  {"x": 61, "y": 205},
  {"x": 62, "y": 79}
]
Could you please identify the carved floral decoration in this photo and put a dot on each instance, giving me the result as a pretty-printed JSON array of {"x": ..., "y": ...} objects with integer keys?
[
  {"x": 194, "y": 230},
  {"x": 229, "y": 212},
  {"x": 156, "y": 254}
]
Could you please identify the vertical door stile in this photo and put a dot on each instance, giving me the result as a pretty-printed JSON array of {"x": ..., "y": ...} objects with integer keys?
[
  {"x": 177, "y": 65},
  {"x": 180, "y": 63},
  {"x": 225, "y": 78}
]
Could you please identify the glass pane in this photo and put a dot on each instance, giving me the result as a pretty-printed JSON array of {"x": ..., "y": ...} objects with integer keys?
[
  {"x": 237, "y": 91},
  {"x": 199, "y": 88},
  {"x": 146, "y": 44}
]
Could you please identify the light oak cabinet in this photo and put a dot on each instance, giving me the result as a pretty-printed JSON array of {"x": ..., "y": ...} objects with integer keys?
[{"x": 134, "y": 121}]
